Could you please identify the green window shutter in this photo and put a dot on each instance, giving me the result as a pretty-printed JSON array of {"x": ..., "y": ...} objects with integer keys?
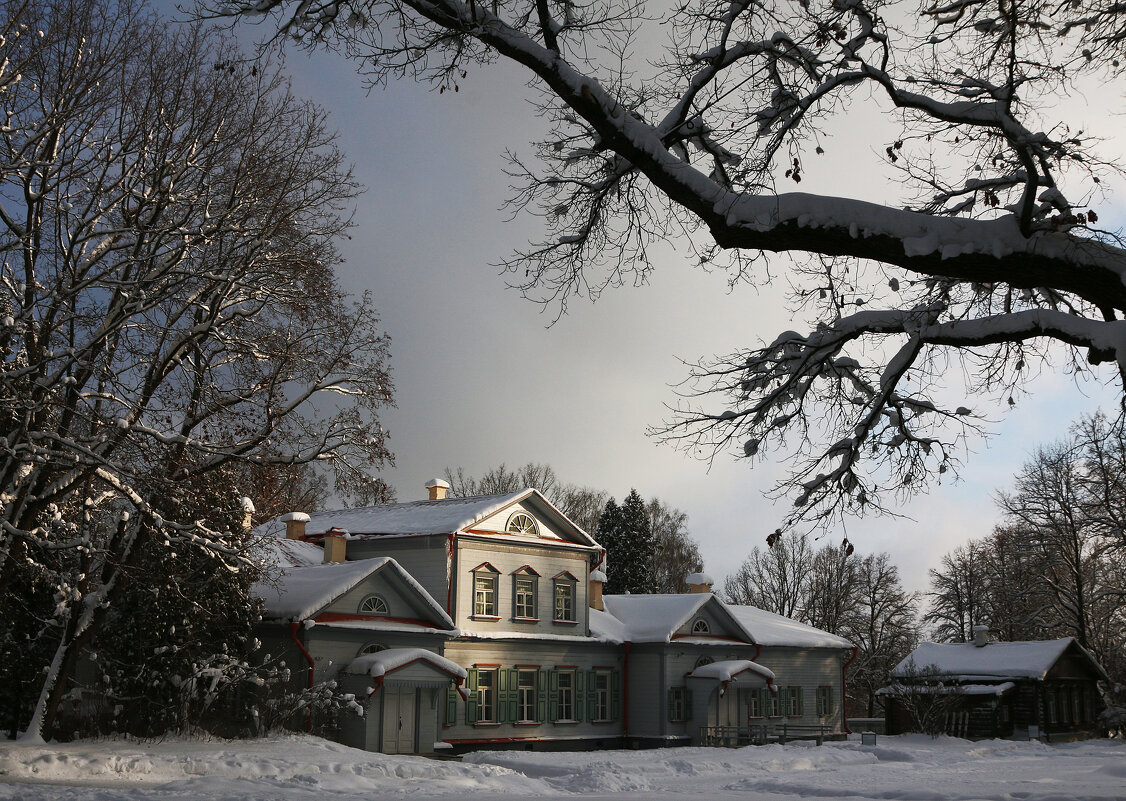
[
  {"x": 799, "y": 703},
  {"x": 451, "y": 706},
  {"x": 502, "y": 695},
  {"x": 670, "y": 700},
  {"x": 615, "y": 695},
  {"x": 553, "y": 695},
  {"x": 688, "y": 704},
  {"x": 580, "y": 694},
  {"x": 591, "y": 696},
  {"x": 830, "y": 705},
  {"x": 513, "y": 684},
  {"x": 542, "y": 682},
  {"x": 471, "y": 704}
]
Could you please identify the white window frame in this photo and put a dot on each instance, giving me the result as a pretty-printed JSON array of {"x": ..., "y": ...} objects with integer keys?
[
  {"x": 526, "y": 691},
  {"x": 487, "y": 695},
  {"x": 516, "y": 526},
  {"x": 701, "y": 626},
  {"x": 484, "y": 594},
  {"x": 565, "y": 612},
  {"x": 530, "y": 612},
  {"x": 602, "y": 709},
  {"x": 565, "y": 709}
]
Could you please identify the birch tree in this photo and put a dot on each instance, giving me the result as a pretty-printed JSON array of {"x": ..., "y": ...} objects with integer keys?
[
  {"x": 168, "y": 309},
  {"x": 988, "y": 255}
]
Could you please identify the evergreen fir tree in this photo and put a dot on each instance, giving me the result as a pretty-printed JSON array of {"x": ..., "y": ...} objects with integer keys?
[
  {"x": 636, "y": 545},
  {"x": 624, "y": 531},
  {"x": 609, "y": 536}
]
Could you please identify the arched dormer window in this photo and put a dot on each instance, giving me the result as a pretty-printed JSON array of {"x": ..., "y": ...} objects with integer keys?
[
  {"x": 704, "y": 660},
  {"x": 371, "y": 648},
  {"x": 700, "y": 626},
  {"x": 522, "y": 523},
  {"x": 374, "y": 605}
]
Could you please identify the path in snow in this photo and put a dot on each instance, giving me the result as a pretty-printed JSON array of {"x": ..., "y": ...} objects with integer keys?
[{"x": 296, "y": 768}]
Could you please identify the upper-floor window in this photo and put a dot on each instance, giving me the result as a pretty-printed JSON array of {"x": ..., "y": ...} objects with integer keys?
[
  {"x": 522, "y": 523},
  {"x": 564, "y": 597},
  {"x": 373, "y": 605},
  {"x": 700, "y": 626},
  {"x": 485, "y": 590},
  {"x": 525, "y": 583}
]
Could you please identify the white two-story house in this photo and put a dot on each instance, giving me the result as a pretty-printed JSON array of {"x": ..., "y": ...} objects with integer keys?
[{"x": 472, "y": 622}]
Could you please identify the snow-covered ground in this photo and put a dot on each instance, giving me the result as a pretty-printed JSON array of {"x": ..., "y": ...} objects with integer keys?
[{"x": 912, "y": 768}]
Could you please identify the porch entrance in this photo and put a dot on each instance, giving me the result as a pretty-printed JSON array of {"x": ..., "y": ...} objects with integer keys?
[{"x": 400, "y": 714}]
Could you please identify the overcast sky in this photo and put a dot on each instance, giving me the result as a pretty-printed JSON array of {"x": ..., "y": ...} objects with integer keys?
[{"x": 482, "y": 379}]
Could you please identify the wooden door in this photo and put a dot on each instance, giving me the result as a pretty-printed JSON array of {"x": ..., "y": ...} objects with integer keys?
[{"x": 399, "y": 704}]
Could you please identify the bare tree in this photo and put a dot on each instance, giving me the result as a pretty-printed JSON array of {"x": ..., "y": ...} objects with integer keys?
[
  {"x": 957, "y": 594},
  {"x": 168, "y": 213},
  {"x": 832, "y": 589},
  {"x": 775, "y": 578},
  {"x": 987, "y": 254},
  {"x": 884, "y": 628},
  {"x": 676, "y": 554}
]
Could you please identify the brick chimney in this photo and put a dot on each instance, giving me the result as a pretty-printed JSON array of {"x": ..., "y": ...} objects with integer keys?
[
  {"x": 597, "y": 579},
  {"x": 699, "y": 582},
  {"x": 437, "y": 489},
  {"x": 335, "y": 544},
  {"x": 294, "y": 525}
]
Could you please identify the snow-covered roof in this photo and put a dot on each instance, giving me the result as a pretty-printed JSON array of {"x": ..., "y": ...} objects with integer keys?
[
  {"x": 1026, "y": 659},
  {"x": 607, "y": 628},
  {"x": 391, "y": 659},
  {"x": 284, "y": 554},
  {"x": 656, "y": 618},
  {"x": 413, "y": 518},
  {"x": 946, "y": 689},
  {"x": 298, "y": 593},
  {"x": 729, "y": 670},
  {"x": 767, "y": 628}
]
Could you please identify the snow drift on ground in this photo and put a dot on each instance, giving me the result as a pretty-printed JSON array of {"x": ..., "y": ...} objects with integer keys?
[{"x": 911, "y": 768}]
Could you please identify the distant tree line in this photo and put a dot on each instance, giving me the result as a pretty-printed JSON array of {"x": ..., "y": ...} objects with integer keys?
[
  {"x": 1056, "y": 565},
  {"x": 858, "y": 597}
]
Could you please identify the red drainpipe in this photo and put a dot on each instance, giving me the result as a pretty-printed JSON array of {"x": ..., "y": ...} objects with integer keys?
[
  {"x": 625, "y": 693},
  {"x": 844, "y": 691},
  {"x": 309, "y": 659}
]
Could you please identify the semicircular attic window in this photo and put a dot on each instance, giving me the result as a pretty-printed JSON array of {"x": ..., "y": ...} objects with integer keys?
[
  {"x": 700, "y": 626},
  {"x": 704, "y": 660},
  {"x": 372, "y": 648},
  {"x": 522, "y": 523},
  {"x": 373, "y": 605}
]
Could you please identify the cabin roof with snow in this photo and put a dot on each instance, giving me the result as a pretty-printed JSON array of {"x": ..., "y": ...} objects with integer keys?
[{"x": 965, "y": 661}]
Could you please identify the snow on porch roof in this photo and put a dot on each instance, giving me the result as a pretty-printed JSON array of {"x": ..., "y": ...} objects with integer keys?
[
  {"x": 389, "y": 660},
  {"x": 728, "y": 670},
  {"x": 1024, "y": 659}
]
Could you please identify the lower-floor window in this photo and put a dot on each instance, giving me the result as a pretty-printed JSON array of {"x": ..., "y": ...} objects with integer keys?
[
  {"x": 526, "y": 697},
  {"x": 486, "y": 696},
  {"x": 824, "y": 701},
  {"x": 565, "y": 700},
  {"x": 795, "y": 702},
  {"x": 680, "y": 704},
  {"x": 601, "y": 695},
  {"x": 754, "y": 703}
]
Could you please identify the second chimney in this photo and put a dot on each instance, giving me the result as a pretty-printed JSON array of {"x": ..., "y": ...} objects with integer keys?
[
  {"x": 597, "y": 579},
  {"x": 981, "y": 636},
  {"x": 699, "y": 582},
  {"x": 437, "y": 489},
  {"x": 335, "y": 544},
  {"x": 294, "y": 525}
]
